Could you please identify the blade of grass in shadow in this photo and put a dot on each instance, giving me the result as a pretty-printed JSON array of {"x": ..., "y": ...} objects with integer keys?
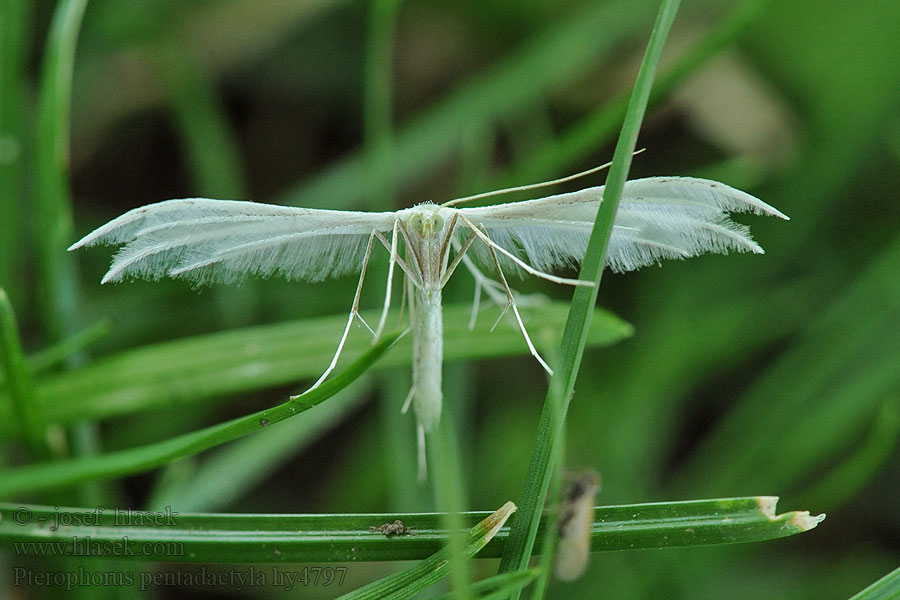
[
  {"x": 886, "y": 588},
  {"x": 209, "y": 144},
  {"x": 546, "y": 446},
  {"x": 848, "y": 477},
  {"x": 14, "y": 28},
  {"x": 254, "y": 538},
  {"x": 410, "y": 582},
  {"x": 212, "y": 153},
  {"x": 583, "y": 138},
  {"x": 854, "y": 352},
  {"x": 449, "y": 492},
  {"x": 378, "y": 108},
  {"x": 53, "y": 205},
  {"x": 19, "y": 383},
  {"x": 59, "y": 299},
  {"x": 185, "y": 371},
  {"x": 134, "y": 460},
  {"x": 64, "y": 350}
]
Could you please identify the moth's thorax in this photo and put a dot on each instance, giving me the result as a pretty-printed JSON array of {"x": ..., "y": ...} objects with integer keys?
[
  {"x": 428, "y": 221},
  {"x": 427, "y": 226}
]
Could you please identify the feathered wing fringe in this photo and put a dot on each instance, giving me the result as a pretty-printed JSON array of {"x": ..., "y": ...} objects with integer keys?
[
  {"x": 658, "y": 218},
  {"x": 204, "y": 240}
]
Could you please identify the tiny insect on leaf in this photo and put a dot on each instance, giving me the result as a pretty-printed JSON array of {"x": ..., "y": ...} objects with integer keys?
[{"x": 576, "y": 516}]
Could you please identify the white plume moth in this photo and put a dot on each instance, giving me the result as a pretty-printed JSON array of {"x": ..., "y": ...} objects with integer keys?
[
  {"x": 204, "y": 240},
  {"x": 576, "y": 516}
]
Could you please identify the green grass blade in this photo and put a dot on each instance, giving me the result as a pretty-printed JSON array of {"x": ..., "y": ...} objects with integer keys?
[
  {"x": 193, "y": 369},
  {"x": 53, "y": 206},
  {"x": 236, "y": 468},
  {"x": 886, "y": 588},
  {"x": 250, "y": 538},
  {"x": 378, "y": 107},
  {"x": 210, "y": 146},
  {"x": 410, "y": 582},
  {"x": 134, "y": 460},
  {"x": 19, "y": 383},
  {"x": 450, "y": 494},
  {"x": 14, "y": 27},
  {"x": 540, "y": 470}
]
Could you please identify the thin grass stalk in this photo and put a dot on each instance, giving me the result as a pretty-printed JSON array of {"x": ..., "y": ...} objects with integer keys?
[
  {"x": 14, "y": 27},
  {"x": 19, "y": 383},
  {"x": 537, "y": 480},
  {"x": 886, "y": 588},
  {"x": 378, "y": 103},
  {"x": 53, "y": 204},
  {"x": 450, "y": 496}
]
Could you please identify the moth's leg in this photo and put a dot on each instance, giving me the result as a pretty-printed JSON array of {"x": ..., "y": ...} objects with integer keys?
[
  {"x": 491, "y": 287},
  {"x": 460, "y": 253},
  {"x": 475, "y": 304},
  {"x": 390, "y": 279},
  {"x": 483, "y": 236},
  {"x": 408, "y": 401},
  {"x": 445, "y": 246},
  {"x": 511, "y": 303},
  {"x": 482, "y": 283},
  {"x": 410, "y": 293},
  {"x": 416, "y": 262},
  {"x": 406, "y": 284},
  {"x": 354, "y": 313},
  {"x": 406, "y": 269}
]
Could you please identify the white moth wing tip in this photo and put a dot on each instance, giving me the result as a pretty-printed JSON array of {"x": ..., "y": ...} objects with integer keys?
[
  {"x": 90, "y": 239},
  {"x": 111, "y": 277},
  {"x": 751, "y": 202}
]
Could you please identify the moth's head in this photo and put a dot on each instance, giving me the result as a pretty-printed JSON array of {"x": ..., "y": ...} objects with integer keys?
[{"x": 426, "y": 221}]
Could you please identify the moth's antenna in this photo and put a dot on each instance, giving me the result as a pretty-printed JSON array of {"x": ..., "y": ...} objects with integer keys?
[{"x": 532, "y": 186}]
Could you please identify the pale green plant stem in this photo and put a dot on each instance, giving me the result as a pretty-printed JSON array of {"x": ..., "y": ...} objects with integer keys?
[{"x": 545, "y": 451}]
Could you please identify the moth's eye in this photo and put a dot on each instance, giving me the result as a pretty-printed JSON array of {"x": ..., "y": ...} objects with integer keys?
[
  {"x": 438, "y": 222},
  {"x": 416, "y": 224}
]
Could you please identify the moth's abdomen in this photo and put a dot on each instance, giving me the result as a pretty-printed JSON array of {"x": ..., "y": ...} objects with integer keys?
[{"x": 428, "y": 353}]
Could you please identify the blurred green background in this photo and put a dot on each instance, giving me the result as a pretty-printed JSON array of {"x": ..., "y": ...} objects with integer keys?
[{"x": 775, "y": 374}]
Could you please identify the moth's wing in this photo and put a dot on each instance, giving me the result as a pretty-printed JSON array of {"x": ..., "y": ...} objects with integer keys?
[
  {"x": 205, "y": 240},
  {"x": 658, "y": 217}
]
